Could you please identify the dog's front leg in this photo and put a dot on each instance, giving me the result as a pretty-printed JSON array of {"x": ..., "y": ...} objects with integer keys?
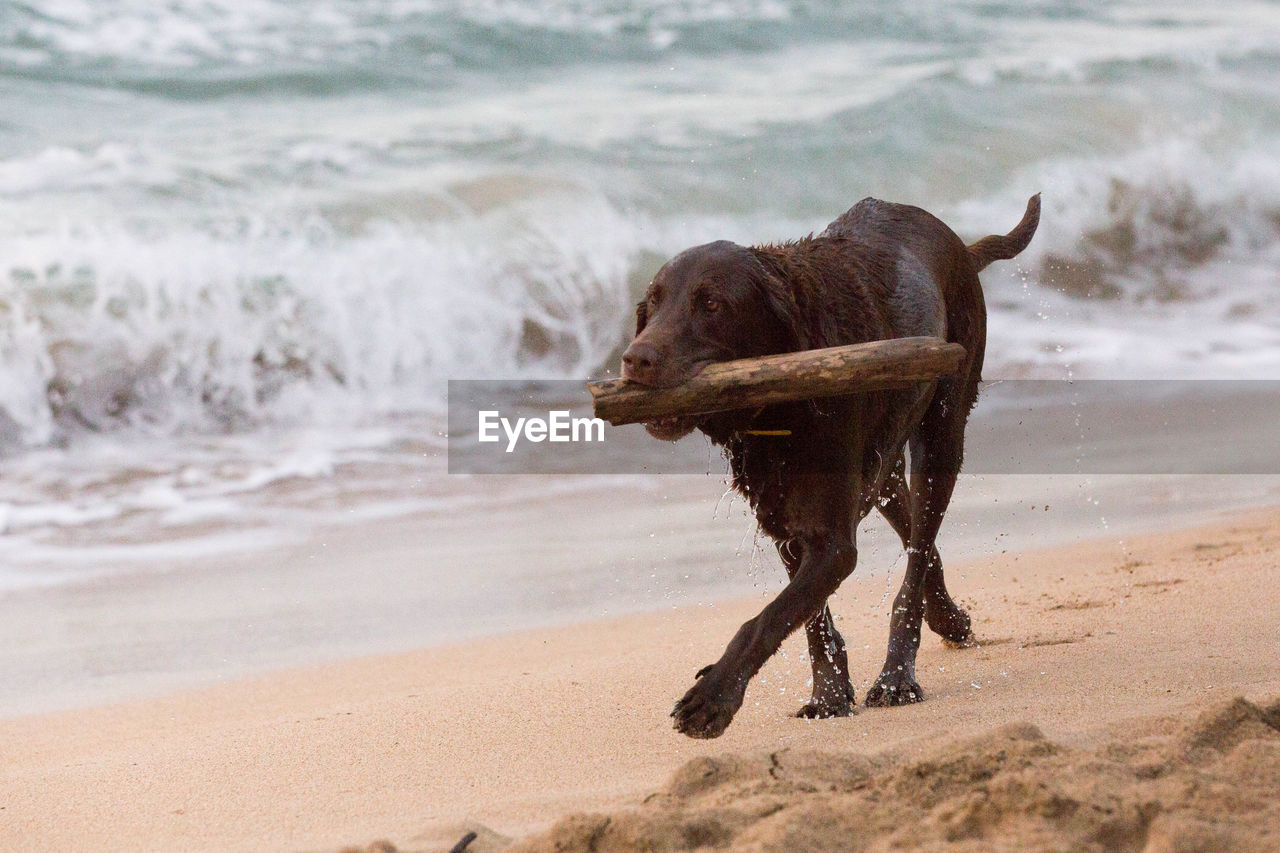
[{"x": 826, "y": 559}]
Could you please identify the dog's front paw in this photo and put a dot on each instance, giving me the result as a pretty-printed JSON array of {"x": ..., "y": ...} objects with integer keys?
[
  {"x": 894, "y": 687},
  {"x": 708, "y": 708}
]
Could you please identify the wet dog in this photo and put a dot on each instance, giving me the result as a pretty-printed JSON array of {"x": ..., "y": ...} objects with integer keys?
[{"x": 812, "y": 470}]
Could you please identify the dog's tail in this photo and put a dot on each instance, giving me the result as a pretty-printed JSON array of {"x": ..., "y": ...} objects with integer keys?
[{"x": 998, "y": 248}]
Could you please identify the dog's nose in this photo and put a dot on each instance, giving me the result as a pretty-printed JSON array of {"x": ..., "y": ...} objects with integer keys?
[{"x": 640, "y": 362}]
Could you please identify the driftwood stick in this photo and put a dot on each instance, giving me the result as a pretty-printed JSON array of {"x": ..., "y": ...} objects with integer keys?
[{"x": 749, "y": 382}]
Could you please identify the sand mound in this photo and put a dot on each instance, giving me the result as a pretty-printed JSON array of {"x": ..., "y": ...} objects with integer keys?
[{"x": 1208, "y": 784}]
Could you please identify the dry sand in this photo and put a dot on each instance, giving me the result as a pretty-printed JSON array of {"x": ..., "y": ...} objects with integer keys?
[
  {"x": 1208, "y": 783},
  {"x": 1098, "y": 712}
]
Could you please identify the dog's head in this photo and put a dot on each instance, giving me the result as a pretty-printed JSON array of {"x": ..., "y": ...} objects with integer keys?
[{"x": 715, "y": 302}]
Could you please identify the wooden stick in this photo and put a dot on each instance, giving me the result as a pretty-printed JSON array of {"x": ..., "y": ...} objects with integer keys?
[{"x": 751, "y": 382}]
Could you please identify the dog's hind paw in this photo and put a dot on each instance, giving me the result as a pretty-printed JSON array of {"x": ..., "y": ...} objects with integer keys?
[
  {"x": 950, "y": 623},
  {"x": 894, "y": 688}
]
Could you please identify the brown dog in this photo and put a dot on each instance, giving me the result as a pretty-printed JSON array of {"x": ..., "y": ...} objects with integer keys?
[{"x": 879, "y": 271}]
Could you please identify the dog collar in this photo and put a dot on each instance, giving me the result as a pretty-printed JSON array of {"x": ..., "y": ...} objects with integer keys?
[{"x": 772, "y": 433}]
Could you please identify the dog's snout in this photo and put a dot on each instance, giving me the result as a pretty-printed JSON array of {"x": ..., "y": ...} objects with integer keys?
[{"x": 640, "y": 362}]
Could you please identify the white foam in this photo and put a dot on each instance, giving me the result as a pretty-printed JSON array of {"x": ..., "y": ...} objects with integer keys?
[
  {"x": 272, "y": 321},
  {"x": 188, "y": 32},
  {"x": 14, "y": 517},
  {"x": 1175, "y": 314},
  {"x": 59, "y": 168},
  {"x": 1071, "y": 46},
  {"x": 191, "y": 33}
]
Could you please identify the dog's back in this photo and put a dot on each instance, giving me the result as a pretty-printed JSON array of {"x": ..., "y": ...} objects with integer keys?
[{"x": 935, "y": 289}]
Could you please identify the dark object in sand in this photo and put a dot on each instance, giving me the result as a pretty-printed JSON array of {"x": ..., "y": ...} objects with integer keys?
[
  {"x": 463, "y": 843},
  {"x": 784, "y": 378},
  {"x": 811, "y": 470}
]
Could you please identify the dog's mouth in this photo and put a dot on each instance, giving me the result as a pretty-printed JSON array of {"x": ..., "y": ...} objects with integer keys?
[
  {"x": 676, "y": 427},
  {"x": 671, "y": 429},
  {"x": 670, "y": 377}
]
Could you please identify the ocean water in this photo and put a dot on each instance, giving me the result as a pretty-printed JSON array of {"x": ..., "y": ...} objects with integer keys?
[{"x": 244, "y": 243}]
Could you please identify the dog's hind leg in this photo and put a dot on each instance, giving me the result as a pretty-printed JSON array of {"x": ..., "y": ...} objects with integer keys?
[
  {"x": 832, "y": 691},
  {"x": 937, "y": 449},
  {"x": 943, "y": 616}
]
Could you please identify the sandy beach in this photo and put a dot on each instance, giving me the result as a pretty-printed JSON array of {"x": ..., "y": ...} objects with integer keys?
[{"x": 1092, "y": 644}]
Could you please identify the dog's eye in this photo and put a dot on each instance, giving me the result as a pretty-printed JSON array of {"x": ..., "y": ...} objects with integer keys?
[{"x": 710, "y": 304}]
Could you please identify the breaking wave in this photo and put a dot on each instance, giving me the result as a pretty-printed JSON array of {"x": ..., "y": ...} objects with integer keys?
[{"x": 104, "y": 327}]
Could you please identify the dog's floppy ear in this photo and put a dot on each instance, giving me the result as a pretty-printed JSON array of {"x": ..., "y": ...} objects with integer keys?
[
  {"x": 781, "y": 303},
  {"x": 642, "y": 315}
]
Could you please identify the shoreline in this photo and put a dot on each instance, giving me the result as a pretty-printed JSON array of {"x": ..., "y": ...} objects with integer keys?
[
  {"x": 427, "y": 580},
  {"x": 512, "y": 731}
]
